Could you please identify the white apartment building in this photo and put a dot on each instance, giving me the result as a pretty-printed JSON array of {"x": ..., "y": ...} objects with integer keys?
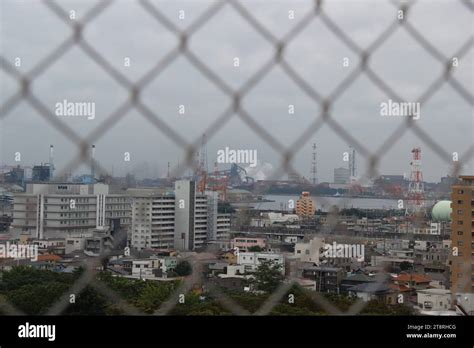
[
  {"x": 251, "y": 260},
  {"x": 182, "y": 220},
  {"x": 222, "y": 226},
  {"x": 218, "y": 224},
  {"x": 59, "y": 210},
  {"x": 152, "y": 219},
  {"x": 310, "y": 251}
]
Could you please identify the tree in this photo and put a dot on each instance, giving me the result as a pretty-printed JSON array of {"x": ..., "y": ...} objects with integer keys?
[
  {"x": 36, "y": 298},
  {"x": 255, "y": 248},
  {"x": 183, "y": 268},
  {"x": 268, "y": 276},
  {"x": 88, "y": 302},
  {"x": 151, "y": 296},
  {"x": 379, "y": 307}
]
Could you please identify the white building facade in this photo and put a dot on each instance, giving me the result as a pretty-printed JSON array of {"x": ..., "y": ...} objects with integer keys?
[{"x": 52, "y": 210}]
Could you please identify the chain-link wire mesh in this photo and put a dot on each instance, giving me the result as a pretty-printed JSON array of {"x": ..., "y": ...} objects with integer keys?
[{"x": 235, "y": 109}]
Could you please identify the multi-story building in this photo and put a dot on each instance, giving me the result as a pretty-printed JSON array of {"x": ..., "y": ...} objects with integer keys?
[
  {"x": 183, "y": 219},
  {"x": 218, "y": 224},
  {"x": 223, "y": 226},
  {"x": 327, "y": 279},
  {"x": 152, "y": 219},
  {"x": 251, "y": 260},
  {"x": 310, "y": 251},
  {"x": 342, "y": 175},
  {"x": 145, "y": 268},
  {"x": 59, "y": 210},
  {"x": 462, "y": 233},
  {"x": 190, "y": 216},
  {"x": 305, "y": 206},
  {"x": 244, "y": 243}
]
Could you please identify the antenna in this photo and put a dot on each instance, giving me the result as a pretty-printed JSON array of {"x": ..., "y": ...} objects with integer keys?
[
  {"x": 352, "y": 162},
  {"x": 51, "y": 162},
  {"x": 416, "y": 190},
  {"x": 203, "y": 155},
  {"x": 313, "y": 165},
  {"x": 92, "y": 161}
]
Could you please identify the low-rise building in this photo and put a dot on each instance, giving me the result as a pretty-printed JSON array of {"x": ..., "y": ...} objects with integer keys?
[
  {"x": 355, "y": 279},
  {"x": 268, "y": 219},
  {"x": 244, "y": 243},
  {"x": 327, "y": 279},
  {"x": 251, "y": 260},
  {"x": 310, "y": 251},
  {"x": 145, "y": 268},
  {"x": 433, "y": 299},
  {"x": 374, "y": 291}
]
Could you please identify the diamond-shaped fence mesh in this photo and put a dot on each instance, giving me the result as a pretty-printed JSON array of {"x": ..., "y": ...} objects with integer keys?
[{"x": 75, "y": 39}]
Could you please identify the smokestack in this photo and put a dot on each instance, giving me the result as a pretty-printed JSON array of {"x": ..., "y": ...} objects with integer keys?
[
  {"x": 51, "y": 162},
  {"x": 92, "y": 161}
]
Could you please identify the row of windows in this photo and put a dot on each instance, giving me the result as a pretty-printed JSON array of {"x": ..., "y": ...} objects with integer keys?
[
  {"x": 73, "y": 222},
  {"x": 117, "y": 199},
  {"x": 246, "y": 240},
  {"x": 72, "y": 214},
  {"x": 117, "y": 206},
  {"x": 461, "y": 192}
]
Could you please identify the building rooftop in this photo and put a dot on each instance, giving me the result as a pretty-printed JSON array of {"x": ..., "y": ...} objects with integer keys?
[
  {"x": 466, "y": 177},
  {"x": 359, "y": 278},
  {"x": 435, "y": 291},
  {"x": 49, "y": 257},
  {"x": 371, "y": 288},
  {"x": 406, "y": 277}
]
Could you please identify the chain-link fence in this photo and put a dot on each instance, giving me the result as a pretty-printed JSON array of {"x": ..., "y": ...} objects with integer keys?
[{"x": 74, "y": 38}]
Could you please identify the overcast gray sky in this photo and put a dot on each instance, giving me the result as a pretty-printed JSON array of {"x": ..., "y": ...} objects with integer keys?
[{"x": 30, "y": 30}]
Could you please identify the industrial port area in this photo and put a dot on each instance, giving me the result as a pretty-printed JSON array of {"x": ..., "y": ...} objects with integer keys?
[{"x": 392, "y": 238}]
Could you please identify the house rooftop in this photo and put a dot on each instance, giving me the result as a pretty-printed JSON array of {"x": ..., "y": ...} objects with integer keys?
[{"x": 407, "y": 277}]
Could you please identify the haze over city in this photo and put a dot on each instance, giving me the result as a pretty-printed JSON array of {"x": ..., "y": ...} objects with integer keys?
[{"x": 401, "y": 62}]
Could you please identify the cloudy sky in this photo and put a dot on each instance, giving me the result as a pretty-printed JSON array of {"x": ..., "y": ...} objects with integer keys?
[{"x": 30, "y": 31}]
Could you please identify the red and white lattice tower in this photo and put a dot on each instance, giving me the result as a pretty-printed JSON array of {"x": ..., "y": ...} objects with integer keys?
[{"x": 416, "y": 191}]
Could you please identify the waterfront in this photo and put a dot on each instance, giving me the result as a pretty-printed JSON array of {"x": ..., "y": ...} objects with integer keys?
[{"x": 281, "y": 202}]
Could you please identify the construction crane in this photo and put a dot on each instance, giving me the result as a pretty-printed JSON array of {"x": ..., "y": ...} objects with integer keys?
[{"x": 215, "y": 182}]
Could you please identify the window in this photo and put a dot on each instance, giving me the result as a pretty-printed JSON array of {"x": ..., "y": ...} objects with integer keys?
[
  {"x": 460, "y": 192},
  {"x": 460, "y": 212}
]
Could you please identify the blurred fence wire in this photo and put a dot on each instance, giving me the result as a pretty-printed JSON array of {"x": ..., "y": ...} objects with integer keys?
[{"x": 76, "y": 39}]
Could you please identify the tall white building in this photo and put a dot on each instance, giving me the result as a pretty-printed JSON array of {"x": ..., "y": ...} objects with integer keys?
[
  {"x": 52, "y": 210},
  {"x": 182, "y": 220},
  {"x": 222, "y": 226},
  {"x": 218, "y": 224},
  {"x": 152, "y": 219}
]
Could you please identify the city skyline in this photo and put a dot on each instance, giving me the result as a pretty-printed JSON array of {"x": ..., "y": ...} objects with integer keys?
[
  {"x": 77, "y": 78},
  {"x": 223, "y": 162}
]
